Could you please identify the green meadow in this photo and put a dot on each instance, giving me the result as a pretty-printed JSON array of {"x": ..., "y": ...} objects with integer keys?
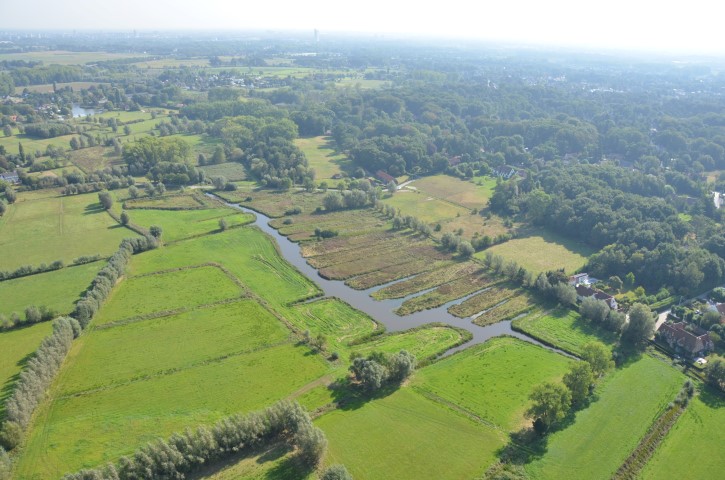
[
  {"x": 323, "y": 158},
  {"x": 178, "y": 225},
  {"x": 461, "y": 192},
  {"x": 407, "y": 436},
  {"x": 605, "y": 433},
  {"x": 542, "y": 251},
  {"x": 693, "y": 447},
  {"x": 164, "y": 291},
  {"x": 563, "y": 328},
  {"x": 57, "y": 290},
  {"x": 493, "y": 380},
  {"x": 425, "y": 342},
  {"x": 57, "y": 228}
]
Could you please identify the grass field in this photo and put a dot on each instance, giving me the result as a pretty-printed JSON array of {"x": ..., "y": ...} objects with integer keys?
[
  {"x": 85, "y": 430},
  {"x": 57, "y": 290},
  {"x": 277, "y": 463},
  {"x": 493, "y": 380},
  {"x": 406, "y": 436},
  {"x": 32, "y": 145},
  {"x": 541, "y": 251},
  {"x": 425, "y": 208},
  {"x": 563, "y": 328},
  {"x": 626, "y": 405},
  {"x": 124, "y": 353},
  {"x": 48, "y": 87},
  {"x": 335, "y": 319},
  {"x": 62, "y": 57},
  {"x": 425, "y": 342},
  {"x": 274, "y": 203},
  {"x": 126, "y": 384},
  {"x": 248, "y": 253},
  {"x": 178, "y": 225},
  {"x": 693, "y": 447},
  {"x": 15, "y": 346},
  {"x": 186, "y": 288},
  {"x": 93, "y": 158},
  {"x": 464, "y": 193},
  {"x": 57, "y": 228},
  {"x": 232, "y": 171},
  {"x": 322, "y": 158}
]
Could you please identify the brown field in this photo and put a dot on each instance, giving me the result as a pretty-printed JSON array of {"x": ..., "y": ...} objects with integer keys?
[
  {"x": 94, "y": 158},
  {"x": 395, "y": 272},
  {"x": 274, "y": 203},
  {"x": 426, "y": 280},
  {"x": 447, "y": 292},
  {"x": 194, "y": 201},
  {"x": 510, "y": 309},
  {"x": 482, "y": 301}
]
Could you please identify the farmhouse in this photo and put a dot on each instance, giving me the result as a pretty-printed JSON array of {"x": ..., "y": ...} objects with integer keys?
[
  {"x": 10, "y": 177},
  {"x": 384, "y": 177},
  {"x": 584, "y": 291},
  {"x": 694, "y": 343},
  {"x": 579, "y": 278}
]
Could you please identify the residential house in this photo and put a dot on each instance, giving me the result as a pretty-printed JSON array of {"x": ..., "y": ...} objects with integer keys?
[
  {"x": 585, "y": 291},
  {"x": 694, "y": 343}
]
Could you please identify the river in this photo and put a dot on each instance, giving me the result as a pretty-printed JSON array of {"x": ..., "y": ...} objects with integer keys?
[{"x": 382, "y": 310}]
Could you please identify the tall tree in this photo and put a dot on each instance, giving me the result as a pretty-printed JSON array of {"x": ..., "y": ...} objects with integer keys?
[
  {"x": 550, "y": 403},
  {"x": 641, "y": 324}
]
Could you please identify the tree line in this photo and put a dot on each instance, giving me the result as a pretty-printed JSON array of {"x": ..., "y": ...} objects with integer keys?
[
  {"x": 40, "y": 370},
  {"x": 183, "y": 453}
]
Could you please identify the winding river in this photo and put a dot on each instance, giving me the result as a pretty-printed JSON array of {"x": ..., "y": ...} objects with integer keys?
[{"x": 382, "y": 310}]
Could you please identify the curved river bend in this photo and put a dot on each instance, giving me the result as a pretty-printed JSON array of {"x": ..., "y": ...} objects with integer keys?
[{"x": 382, "y": 310}]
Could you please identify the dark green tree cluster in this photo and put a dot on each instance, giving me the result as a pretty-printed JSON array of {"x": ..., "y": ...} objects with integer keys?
[
  {"x": 715, "y": 372},
  {"x": 598, "y": 312},
  {"x": 148, "y": 152},
  {"x": 47, "y": 130},
  {"x": 377, "y": 369},
  {"x": 105, "y": 279},
  {"x": 35, "y": 379},
  {"x": 33, "y": 314},
  {"x": 187, "y": 452}
]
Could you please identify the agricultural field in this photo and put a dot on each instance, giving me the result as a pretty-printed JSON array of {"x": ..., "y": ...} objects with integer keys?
[
  {"x": 171, "y": 290},
  {"x": 94, "y": 158},
  {"x": 467, "y": 194},
  {"x": 540, "y": 251},
  {"x": 56, "y": 172},
  {"x": 247, "y": 253},
  {"x": 33, "y": 145},
  {"x": 58, "y": 290},
  {"x": 508, "y": 310},
  {"x": 406, "y": 436},
  {"x": 425, "y": 342},
  {"x": 493, "y": 380},
  {"x": 276, "y": 463},
  {"x": 425, "y": 208},
  {"x": 273, "y": 203},
  {"x": 140, "y": 385},
  {"x": 458, "y": 288},
  {"x": 351, "y": 225},
  {"x": 482, "y": 301},
  {"x": 57, "y": 228},
  {"x": 323, "y": 158},
  {"x": 425, "y": 281},
  {"x": 338, "y": 321},
  {"x": 693, "y": 447},
  {"x": 563, "y": 328},
  {"x": 48, "y": 87},
  {"x": 182, "y": 224},
  {"x": 618, "y": 418},
  {"x": 62, "y": 57},
  {"x": 15, "y": 347}
]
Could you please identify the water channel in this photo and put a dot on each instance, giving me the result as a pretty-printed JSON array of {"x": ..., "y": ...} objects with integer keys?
[{"x": 382, "y": 310}]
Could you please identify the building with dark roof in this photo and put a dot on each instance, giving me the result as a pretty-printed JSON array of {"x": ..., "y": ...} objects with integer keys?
[{"x": 695, "y": 343}]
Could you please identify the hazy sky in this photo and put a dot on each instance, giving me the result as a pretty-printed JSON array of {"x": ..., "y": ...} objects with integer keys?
[{"x": 693, "y": 25}]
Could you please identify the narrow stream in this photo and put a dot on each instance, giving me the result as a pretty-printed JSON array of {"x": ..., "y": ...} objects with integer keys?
[{"x": 382, "y": 310}]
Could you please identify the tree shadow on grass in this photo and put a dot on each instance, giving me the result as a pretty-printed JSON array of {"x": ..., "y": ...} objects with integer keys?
[
  {"x": 287, "y": 466},
  {"x": 524, "y": 447},
  {"x": 92, "y": 209},
  {"x": 711, "y": 397},
  {"x": 348, "y": 396},
  {"x": 627, "y": 354}
]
